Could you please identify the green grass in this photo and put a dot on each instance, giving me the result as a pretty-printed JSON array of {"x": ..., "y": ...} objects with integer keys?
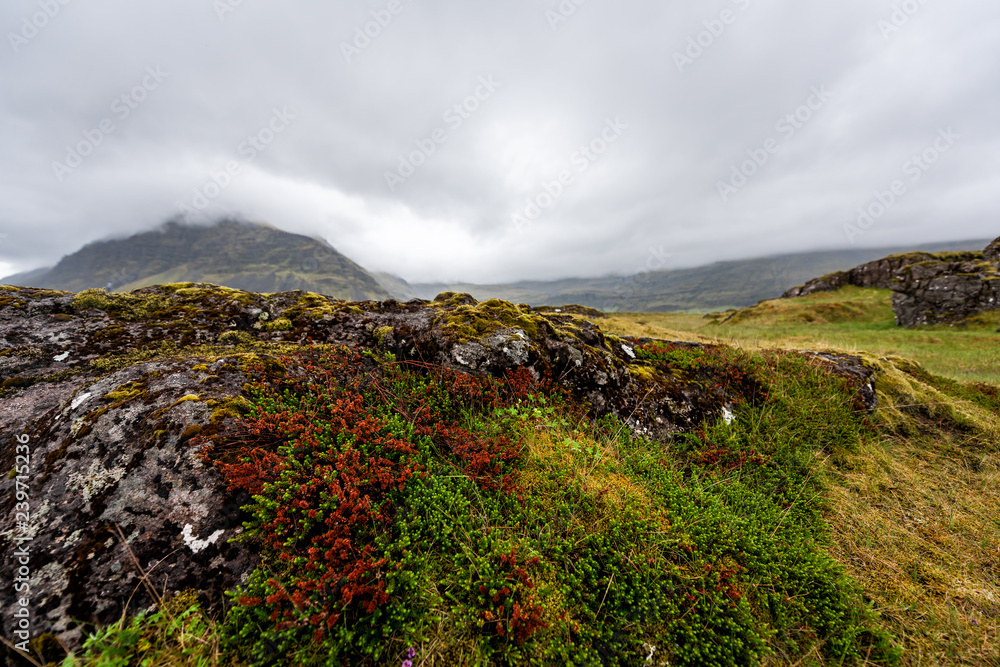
[{"x": 850, "y": 319}]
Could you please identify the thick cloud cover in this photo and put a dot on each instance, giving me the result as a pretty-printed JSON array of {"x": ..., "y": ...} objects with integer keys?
[{"x": 116, "y": 115}]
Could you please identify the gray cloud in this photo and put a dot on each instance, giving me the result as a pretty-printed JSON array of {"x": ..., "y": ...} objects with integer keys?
[{"x": 347, "y": 119}]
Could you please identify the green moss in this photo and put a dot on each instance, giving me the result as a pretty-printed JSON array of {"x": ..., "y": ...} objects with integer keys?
[
  {"x": 313, "y": 307},
  {"x": 280, "y": 324},
  {"x": 191, "y": 431},
  {"x": 128, "y": 307},
  {"x": 237, "y": 338},
  {"x": 232, "y": 407},
  {"x": 125, "y": 392},
  {"x": 473, "y": 322},
  {"x": 381, "y": 332}
]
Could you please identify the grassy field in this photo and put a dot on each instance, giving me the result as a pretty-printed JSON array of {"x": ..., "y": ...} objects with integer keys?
[
  {"x": 914, "y": 511},
  {"x": 851, "y": 319}
]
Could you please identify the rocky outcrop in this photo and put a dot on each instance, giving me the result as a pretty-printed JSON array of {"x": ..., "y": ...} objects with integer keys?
[
  {"x": 103, "y": 394},
  {"x": 938, "y": 292},
  {"x": 879, "y": 273},
  {"x": 941, "y": 288}
]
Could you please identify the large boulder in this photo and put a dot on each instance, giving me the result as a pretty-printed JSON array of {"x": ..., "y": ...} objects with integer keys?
[{"x": 939, "y": 292}]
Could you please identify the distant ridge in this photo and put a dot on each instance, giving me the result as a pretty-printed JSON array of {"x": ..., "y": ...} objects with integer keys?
[
  {"x": 242, "y": 255},
  {"x": 734, "y": 284}
]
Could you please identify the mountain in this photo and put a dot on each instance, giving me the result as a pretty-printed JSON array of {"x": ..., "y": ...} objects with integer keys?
[
  {"x": 259, "y": 258},
  {"x": 718, "y": 286},
  {"x": 241, "y": 255}
]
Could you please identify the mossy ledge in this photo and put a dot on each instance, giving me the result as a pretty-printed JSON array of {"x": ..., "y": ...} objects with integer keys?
[{"x": 515, "y": 486}]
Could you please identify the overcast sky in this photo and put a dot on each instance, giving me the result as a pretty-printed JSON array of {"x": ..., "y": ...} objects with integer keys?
[{"x": 490, "y": 141}]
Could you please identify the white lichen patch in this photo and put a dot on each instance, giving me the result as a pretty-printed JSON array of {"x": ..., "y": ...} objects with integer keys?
[
  {"x": 51, "y": 578},
  {"x": 95, "y": 480},
  {"x": 194, "y": 543},
  {"x": 628, "y": 350},
  {"x": 728, "y": 415},
  {"x": 80, "y": 400},
  {"x": 61, "y": 357}
]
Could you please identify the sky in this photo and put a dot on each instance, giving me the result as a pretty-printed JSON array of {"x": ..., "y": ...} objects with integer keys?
[{"x": 490, "y": 142}]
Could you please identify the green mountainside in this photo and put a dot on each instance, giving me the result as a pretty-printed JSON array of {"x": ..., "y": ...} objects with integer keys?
[{"x": 240, "y": 255}]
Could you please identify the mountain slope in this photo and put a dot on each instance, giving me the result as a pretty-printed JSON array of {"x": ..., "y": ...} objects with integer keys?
[{"x": 240, "y": 255}]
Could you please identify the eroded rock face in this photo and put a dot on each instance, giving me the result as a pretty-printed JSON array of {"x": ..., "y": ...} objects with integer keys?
[
  {"x": 109, "y": 391},
  {"x": 879, "y": 273},
  {"x": 943, "y": 288},
  {"x": 936, "y": 292}
]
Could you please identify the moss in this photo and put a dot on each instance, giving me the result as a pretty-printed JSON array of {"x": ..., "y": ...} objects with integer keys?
[
  {"x": 472, "y": 322},
  {"x": 191, "y": 431},
  {"x": 237, "y": 338},
  {"x": 280, "y": 324},
  {"x": 201, "y": 368},
  {"x": 124, "y": 393},
  {"x": 131, "y": 307},
  {"x": 232, "y": 407},
  {"x": 313, "y": 307},
  {"x": 643, "y": 371},
  {"x": 381, "y": 333}
]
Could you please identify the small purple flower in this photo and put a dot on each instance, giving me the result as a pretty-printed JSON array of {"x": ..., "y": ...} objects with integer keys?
[
  {"x": 407, "y": 663},
  {"x": 411, "y": 653}
]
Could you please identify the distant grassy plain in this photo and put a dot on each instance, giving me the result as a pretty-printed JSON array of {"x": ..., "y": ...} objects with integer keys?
[{"x": 850, "y": 319}]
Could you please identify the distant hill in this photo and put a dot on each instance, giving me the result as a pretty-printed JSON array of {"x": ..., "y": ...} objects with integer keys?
[
  {"x": 717, "y": 286},
  {"x": 242, "y": 255},
  {"x": 259, "y": 258}
]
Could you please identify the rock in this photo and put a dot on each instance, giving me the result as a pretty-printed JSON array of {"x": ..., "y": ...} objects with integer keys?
[
  {"x": 879, "y": 273},
  {"x": 942, "y": 288},
  {"x": 992, "y": 251},
  {"x": 108, "y": 391},
  {"x": 937, "y": 292}
]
